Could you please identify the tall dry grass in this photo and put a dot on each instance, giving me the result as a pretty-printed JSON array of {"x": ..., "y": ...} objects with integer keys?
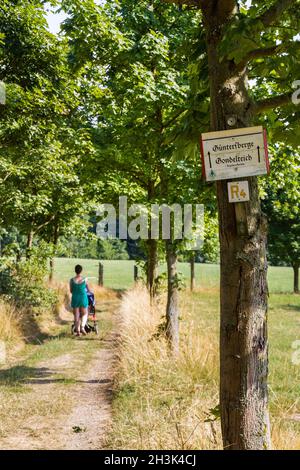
[
  {"x": 10, "y": 324},
  {"x": 166, "y": 403},
  {"x": 162, "y": 402},
  {"x": 21, "y": 325}
]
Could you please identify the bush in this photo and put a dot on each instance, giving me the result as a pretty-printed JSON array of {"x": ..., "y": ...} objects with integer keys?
[
  {"x": 23, "y": 283},
  {"x": 112, "y": 249},
  {"x": 92, "y": 248}
]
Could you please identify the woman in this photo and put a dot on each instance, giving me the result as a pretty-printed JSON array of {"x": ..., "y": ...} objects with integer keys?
[{"x": 79, "y": 288}]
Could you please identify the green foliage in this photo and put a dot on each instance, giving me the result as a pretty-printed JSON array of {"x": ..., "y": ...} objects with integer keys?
[
  {"x": 112, "y": 249},
  {"x": 281, "y": 204},
  {"x": 44, "y": 142},
  {"x": 214, "y": 414},
  {"x": 210, "y": 250},
  {"x": 24, "y": 284},
  {"x": 92, "y": 248},
  {"x": 161, "y": 282},
  {"x": 74, "y": 247},
  {"x": 140, "y": 104}
]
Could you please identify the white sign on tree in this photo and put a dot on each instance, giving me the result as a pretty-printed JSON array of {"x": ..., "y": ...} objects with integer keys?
[
  {"x": 238, "y": 191},
  {"x": 234, "y": 154}
]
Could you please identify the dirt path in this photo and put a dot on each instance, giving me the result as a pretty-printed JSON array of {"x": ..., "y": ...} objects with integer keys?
[
  {"x": 91, "y": 416},
  {"x": 63, "y": 401}
]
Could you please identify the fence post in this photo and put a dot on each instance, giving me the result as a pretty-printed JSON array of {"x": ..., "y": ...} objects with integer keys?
[
  {"x": 136, "y": 273},
  {"x": 100, "y": 277},
  {"x": 192, "y": 262}
]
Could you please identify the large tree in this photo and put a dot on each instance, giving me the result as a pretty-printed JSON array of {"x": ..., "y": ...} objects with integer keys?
[
  {"x": 44, "y": 143},
  {"x": 142, "y": 109},
  {"x": 241, "y": 43}
]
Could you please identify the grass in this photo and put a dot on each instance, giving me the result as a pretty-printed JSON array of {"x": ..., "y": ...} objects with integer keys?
[
  {"x": 10, "y": 321},
  {"x": 162, "y": 403},
  {"x": 119, "y": 274}
]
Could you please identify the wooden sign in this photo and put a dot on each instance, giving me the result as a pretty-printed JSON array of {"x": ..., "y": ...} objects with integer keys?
[
  {"x": 238, "y": 191},
  {"x": 235, "y": 153}
]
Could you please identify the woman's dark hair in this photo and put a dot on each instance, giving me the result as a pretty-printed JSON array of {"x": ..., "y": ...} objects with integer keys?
[{"x": 78, "y": 269}]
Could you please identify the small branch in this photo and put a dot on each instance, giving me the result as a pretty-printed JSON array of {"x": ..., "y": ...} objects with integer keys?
[
  {"x": 257, "y": 54},
  {"x": 6, "y": 177},
  {"x": 275, "y": 12},
  {"x": 194, "y": 3},
  {"x": 173, "y": 119},
  {"x": 272, "y": 102},
  {"x": 266, "y": 52},
  {"x": 39, "y": 227}
]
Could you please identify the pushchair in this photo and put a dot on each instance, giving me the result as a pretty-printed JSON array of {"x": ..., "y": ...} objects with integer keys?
[{"x": 92, "y": 323}]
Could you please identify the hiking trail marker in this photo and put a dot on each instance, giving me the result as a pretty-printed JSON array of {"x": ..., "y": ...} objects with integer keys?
[
  {"x": 238, "y": 191},
  {"x": 234, "y": 153}
]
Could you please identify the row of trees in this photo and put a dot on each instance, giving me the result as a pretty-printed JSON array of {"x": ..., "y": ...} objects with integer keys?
[
  {"x": 115, "y": 106},
  {"x": 44, "y": 140}
]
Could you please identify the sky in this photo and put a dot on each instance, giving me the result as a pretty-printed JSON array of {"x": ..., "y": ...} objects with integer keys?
[{"x": 55, "y": 19}]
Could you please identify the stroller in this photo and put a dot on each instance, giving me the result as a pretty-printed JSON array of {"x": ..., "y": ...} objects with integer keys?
[{"x": 91, "y": 324}]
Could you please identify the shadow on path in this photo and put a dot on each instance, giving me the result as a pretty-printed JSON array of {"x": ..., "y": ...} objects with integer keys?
[{"x": 19, "y": 375}]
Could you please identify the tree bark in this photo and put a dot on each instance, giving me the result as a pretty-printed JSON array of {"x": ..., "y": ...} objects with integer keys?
[
  {"x": 243, "y": 290},
  {"x": 296, "y": 278},
  {"x": 152, "y": 243},
  {"x": 135, "y": 273},
  {"x": 172, "y": 312},
  {"x": 151, "y": 266},
  {"x": 52, "y": 260},
  {"x": 193, "y": 280},
  {"x": 29, "y": 243},
  {"x": 101, "y": 275}
]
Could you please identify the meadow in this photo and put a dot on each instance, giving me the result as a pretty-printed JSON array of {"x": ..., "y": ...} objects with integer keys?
[
  {"x": 119, "y": 274},
  {"x": 166, "y": 403},
  {"x": 162, "y": 403}
]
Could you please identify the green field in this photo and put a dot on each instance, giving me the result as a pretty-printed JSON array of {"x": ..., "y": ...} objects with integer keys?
[{"x": 119, "y": 274}]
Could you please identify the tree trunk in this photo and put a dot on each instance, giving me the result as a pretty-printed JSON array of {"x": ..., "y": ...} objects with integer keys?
[
  {"x": 152, "y": 243},
  {"x": 52, "y": 267},
  {"x": 29, "y": 243},
  {"x": 172, "y": 312},
  {"x": 19, "y": 256},
  {"x": 135, "y": 274},
  {"x": 52, "y": 260},
  {"x": 192, "y": 264},
  {"x": 151, "y": 266},
  {"x": 296, "y": 278},
  {"x": 243, "y": 328},
  {"x": 101, "y": 275}
]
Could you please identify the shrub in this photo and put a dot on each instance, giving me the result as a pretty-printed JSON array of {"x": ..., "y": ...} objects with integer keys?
[{"x": 23, "y": 283}]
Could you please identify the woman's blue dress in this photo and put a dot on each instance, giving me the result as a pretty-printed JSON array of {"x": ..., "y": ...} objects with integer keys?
[{"x": 79, "y": 295}]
